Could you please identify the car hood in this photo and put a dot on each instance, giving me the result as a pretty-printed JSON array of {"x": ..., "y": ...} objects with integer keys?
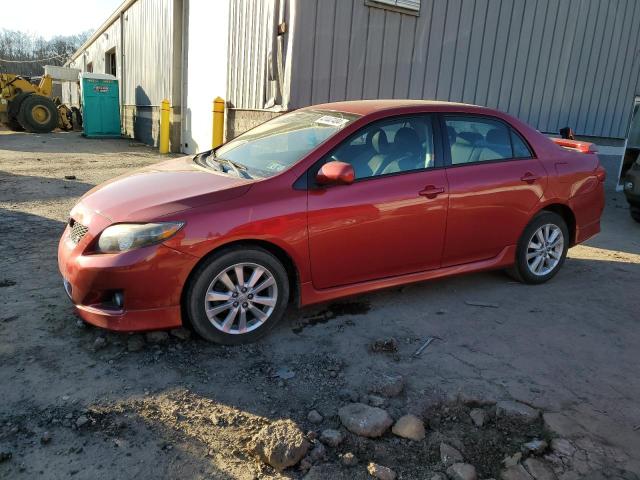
[{"x": 161, "y": 189}]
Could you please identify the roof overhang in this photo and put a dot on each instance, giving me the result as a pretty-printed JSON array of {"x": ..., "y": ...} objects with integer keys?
[{"x": 114, "y": 16}]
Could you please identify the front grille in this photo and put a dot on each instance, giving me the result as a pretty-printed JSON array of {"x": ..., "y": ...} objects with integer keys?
[{"x": 77, "y": 231}]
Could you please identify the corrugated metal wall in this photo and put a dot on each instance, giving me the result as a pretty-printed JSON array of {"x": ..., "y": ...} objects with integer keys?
[
  {"x": 258, "y": 56},
  {"x": 551, "y": 63},
  {"x": 148, "y": 33},
  {"x": 148, "y": 37},
  {"x": 248, "y": 38}
]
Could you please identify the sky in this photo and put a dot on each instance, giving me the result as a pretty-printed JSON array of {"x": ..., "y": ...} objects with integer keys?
[{"x": 48, "y": 18}]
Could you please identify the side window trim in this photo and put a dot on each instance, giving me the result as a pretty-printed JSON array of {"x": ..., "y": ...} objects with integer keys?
[
  {"x": 446, "y": 145},
  {"x": 438, "y": 150}
]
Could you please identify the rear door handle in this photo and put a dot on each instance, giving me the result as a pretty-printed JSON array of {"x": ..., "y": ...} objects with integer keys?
[
  {"x": 529, "y": 177},
  {"x": 431, "y": 191}
]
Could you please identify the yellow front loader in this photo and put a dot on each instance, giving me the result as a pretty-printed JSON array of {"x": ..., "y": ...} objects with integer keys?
[{"x": 26, "y": 106}]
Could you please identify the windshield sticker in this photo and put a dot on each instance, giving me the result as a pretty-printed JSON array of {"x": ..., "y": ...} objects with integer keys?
[
  {"x": 276, "y": 167},
  {"x": 332, "y": 121}
]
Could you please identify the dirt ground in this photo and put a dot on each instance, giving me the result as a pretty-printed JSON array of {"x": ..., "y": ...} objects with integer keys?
[{"x": 75, "y": 402}]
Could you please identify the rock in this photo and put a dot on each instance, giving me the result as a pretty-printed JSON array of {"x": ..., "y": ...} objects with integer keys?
[
  {"x": 409, "y": 426},
  {"x": 438, "y": 476},
  {"x": 516, "y": 472},
  {"x": 318, "y": 453},
  {"x": 135, "y": 343},
  {"x": 280, "y": 444},
  {"x": 81, "y": 421},
  {"x": 181, "y": 333},
  {"x": 331, "y": 437},
  {"x": 45, "y": 438},
  {"x": 513, "y": 460},
  {"x": 157, "y": 337},
  {"x": 315, "y": 417},
  {"x": 535, "y": 447},
  {"x": 69, "y": 177},
  {"x": 348, "y": 459},
  {"x": 539, "y": 469},
  {"x": 388, "y": 385},
  {"x": 517, "y": 411},
  {"x": 562, "y": 447},
  {"x": 376, "y": 401},
  {"x": 305, "y": 464},
  {"x": 99, "y": 343},
  {"x": 364, "y": 420},
  {"x": 285, "y": 373},
  {"x": 479, "y": 416},
  {"x": 462, "y": 471},
  {"x": 449, "y": 455},
  {"x": 347, "y": 395},
  {"x": 388, "y": 345},
  {"x": 380, "y": 472}
]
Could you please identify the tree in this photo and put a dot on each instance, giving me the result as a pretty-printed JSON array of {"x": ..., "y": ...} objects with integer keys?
[{"x": 27, "y": 55}]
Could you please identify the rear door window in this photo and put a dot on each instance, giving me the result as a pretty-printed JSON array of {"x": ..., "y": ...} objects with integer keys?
[{"x": 478, "y": 139}]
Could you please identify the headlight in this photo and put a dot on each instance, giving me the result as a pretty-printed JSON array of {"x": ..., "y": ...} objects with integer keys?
[
  {"x": 628, "y": 186},
  {"x": 127, "y": 236}
]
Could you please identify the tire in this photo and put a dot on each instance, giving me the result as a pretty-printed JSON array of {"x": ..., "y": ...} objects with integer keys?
[
  {"x": 214, "y": 319},
  {"x": 14, "y": 125},
  {"x": 635, "y": 213},
  {"x": 534, "y": 270},
  {"x": 38, "y": 114}
]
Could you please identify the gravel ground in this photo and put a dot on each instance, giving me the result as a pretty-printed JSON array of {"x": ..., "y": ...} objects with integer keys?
[{"x": 77, "y": 401}]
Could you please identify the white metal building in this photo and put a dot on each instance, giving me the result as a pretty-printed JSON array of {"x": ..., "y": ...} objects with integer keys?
[{"x": 173, "y": 49}]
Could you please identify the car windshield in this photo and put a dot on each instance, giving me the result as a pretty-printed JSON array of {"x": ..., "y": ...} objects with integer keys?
[{"x": 279, "y": 143}]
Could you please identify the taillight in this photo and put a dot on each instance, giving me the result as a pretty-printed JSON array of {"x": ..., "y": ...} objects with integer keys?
[{"x": 601, "y": 173}]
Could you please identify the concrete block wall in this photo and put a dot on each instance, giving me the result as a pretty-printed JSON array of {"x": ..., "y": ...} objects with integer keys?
[{"x": 239, "y": 121}]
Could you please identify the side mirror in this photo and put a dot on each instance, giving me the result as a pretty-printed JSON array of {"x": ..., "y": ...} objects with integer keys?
[{"x": 336, "y": 173}]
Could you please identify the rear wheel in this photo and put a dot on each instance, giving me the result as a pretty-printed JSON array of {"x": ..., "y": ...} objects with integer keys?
[
  {"x": 542, "y": 249},
  {"x": 635, "y": 213},
  {"x": 237, "y": 296},
  {"x": 38, "y": 114}
]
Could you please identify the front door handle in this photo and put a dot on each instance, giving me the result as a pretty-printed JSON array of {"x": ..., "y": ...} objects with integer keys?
[
  {"x": 529, "y": 177},
  {"x": 431, "y": 191}
]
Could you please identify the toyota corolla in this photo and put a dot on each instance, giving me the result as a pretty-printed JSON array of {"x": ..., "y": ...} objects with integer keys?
[{"x": 325, "y": 202}]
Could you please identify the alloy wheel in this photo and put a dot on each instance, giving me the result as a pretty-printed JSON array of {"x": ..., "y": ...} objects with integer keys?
[
  {"x": 241, "y": 298},
  {"x": 544, "y": 250}
]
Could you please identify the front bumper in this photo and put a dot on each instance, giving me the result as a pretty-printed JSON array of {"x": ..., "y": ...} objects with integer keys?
[{"x": 149, "y": 281}]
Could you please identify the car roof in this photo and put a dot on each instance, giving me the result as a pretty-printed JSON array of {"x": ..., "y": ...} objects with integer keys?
[{"x": 367, "y": 107}]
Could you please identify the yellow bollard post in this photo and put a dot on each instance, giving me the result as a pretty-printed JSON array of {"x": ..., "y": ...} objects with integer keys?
[
  {"x": 165, "y": 111},
  {"x": 218, "y": 122}
]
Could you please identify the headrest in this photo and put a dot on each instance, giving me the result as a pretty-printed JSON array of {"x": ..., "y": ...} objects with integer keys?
[
  {"x": 406, "y": 140},
  {"x": 471, "y": 138},
  {"x": 451, "y": 132},
  {"x": 498, "y": 136},
  {"x": 378, "y": 140}
]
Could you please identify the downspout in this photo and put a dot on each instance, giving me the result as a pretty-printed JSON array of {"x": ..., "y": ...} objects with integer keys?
[{"x": 122, "y": 75}]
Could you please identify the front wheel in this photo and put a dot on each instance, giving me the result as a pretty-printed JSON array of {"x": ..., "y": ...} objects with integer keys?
[
  {"x": 542, "y": 249},
  {"x": 635, "y": 213},
  {"x": 237, "y": 296},
  {"x": 38, "y": 114}
]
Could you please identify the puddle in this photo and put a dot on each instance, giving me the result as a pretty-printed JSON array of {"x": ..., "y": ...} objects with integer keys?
[{"x": 333, "y": 311}]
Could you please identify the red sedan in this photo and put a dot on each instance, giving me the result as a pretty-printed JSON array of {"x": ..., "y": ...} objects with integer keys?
[{"x": 325, "y": 202}]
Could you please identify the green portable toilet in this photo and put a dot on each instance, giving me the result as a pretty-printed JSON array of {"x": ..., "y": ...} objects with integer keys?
[{"x": 100, "y": 105}]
